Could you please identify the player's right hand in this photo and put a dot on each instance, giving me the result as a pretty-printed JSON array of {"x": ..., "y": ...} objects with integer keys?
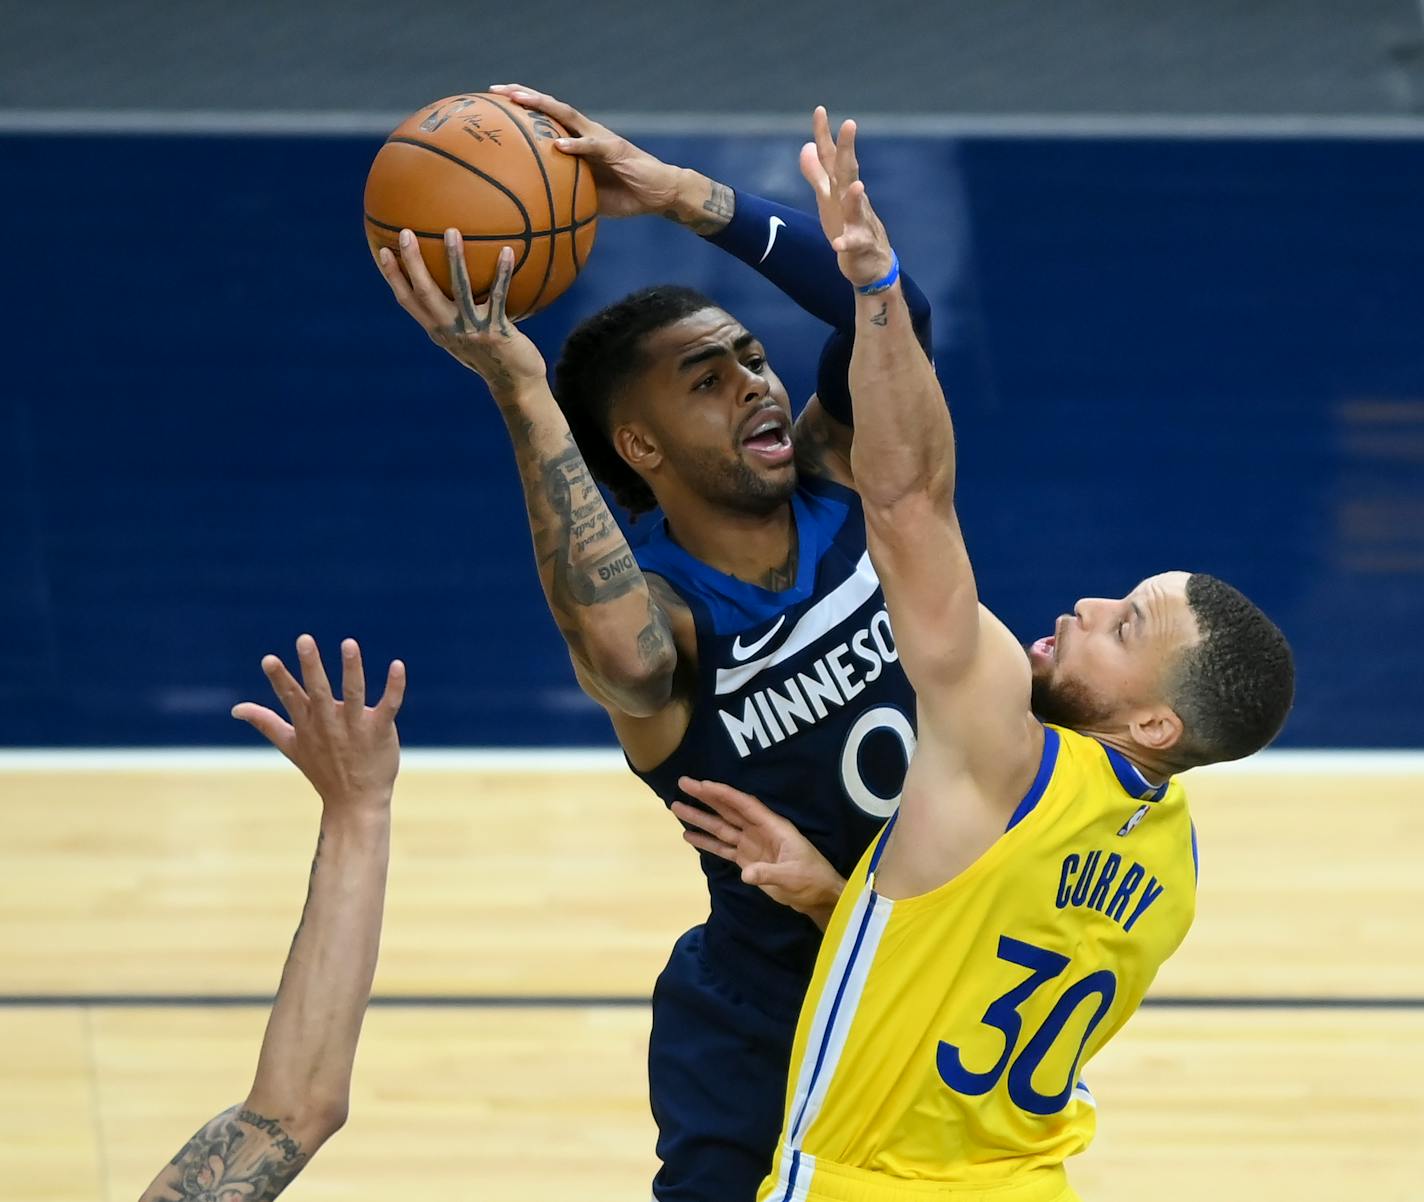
[
  {"x": 631, "y": 182},
  {"x": 772, "y": 854},
  {"x": 348, "y": 750},
  {"x": 482, "y": 337}
]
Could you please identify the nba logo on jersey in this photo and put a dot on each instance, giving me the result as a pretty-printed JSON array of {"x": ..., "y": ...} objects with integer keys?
[{"x": 1131, "y": 824}]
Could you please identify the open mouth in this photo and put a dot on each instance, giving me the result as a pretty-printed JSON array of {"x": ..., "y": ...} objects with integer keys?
[
  {"x": 768, "y": 437},
  {"x": 1045, "y": 648}
]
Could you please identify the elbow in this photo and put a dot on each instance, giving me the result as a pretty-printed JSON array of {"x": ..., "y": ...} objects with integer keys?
[
  {"x": 921, "y": 488},
  {"x": 638, "y": 681}
]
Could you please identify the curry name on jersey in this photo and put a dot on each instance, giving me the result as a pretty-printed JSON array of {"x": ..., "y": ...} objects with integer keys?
[{"x": 944, "y": 1035}]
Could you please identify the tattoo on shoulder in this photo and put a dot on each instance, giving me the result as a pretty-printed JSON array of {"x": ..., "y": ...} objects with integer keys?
[{"x": 239, "y": 1155}]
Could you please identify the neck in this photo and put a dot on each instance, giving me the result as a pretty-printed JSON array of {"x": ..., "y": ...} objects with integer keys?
[
  {"x": 757, "y": 548},
  {"x": 1155, "y": 768}
]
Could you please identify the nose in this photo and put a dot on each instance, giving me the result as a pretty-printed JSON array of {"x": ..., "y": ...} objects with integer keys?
[
  {"x": 754, "y": 387},
  {"x": 1089, "y": 609}
]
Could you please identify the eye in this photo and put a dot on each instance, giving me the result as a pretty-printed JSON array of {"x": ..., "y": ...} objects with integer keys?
[
  {"x": 756, "y": 362},
  {"x": 706, "y": 382}
]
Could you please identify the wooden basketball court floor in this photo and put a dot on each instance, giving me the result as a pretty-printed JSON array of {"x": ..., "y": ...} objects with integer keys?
[{"x": 146, "y": 904}]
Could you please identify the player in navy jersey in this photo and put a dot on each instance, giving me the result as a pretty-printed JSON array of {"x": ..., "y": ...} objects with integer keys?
[{"x": 748, "y": 639}]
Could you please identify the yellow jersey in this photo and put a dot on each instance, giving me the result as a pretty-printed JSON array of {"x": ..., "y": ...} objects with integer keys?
[{"x": 941, "y": 1045}]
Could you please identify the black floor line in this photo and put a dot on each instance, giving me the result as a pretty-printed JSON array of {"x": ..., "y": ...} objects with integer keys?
[{"x": 529, "y": 1001}]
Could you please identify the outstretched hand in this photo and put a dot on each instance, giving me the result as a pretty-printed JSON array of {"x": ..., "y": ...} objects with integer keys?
[
  {"x": 348, "y": 750},
  {"x": 630, "y": 181},
  {"x": 772, "y": 854},
  {"x": 481, "y": 336},
  {"x": 851, "y": 226}
]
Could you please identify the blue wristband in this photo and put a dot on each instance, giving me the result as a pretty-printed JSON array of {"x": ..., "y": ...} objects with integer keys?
[{"x": 886, "y": 281}]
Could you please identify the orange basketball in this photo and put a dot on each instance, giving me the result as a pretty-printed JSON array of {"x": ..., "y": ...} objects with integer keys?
[{"x": 489, "y": 168}]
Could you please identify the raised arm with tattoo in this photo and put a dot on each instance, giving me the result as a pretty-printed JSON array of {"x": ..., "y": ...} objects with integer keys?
[
  {"x": 350, "y": 752},
  {"x": 617, "y": 631}
]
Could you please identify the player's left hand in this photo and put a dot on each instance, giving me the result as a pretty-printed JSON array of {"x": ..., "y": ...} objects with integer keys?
[
  {"x": 772, "y": 854},
  {"x": 852, "y": 227},
  {"x": 631, "y": 182},
  {"x": 482, "y": 337}
]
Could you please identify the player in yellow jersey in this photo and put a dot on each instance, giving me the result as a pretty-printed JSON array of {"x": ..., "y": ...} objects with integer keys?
[{"x": 1042, "y": 865}]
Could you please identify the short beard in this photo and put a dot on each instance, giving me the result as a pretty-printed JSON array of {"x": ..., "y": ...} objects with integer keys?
[
  {"x": 732, "y": 484},
  {"x": 1067, "y": 703}
]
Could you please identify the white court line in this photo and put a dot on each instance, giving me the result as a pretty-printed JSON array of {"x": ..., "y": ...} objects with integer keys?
[
  {"x": 569, "y": 761},
  {"x": 927, "y": 125}
]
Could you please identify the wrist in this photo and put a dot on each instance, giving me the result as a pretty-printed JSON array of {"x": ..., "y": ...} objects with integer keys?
[
  {"x": 701, "y": 203},
  {"x": 365, "y": 811}
]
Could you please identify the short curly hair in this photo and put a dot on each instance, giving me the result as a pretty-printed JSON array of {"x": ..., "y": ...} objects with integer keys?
[
  {"x": 600, "y": 355},
  {"x": 1235, "y": 687}
]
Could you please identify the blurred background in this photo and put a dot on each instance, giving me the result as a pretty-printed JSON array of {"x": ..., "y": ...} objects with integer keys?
[{"x": 1175, "y": 253}]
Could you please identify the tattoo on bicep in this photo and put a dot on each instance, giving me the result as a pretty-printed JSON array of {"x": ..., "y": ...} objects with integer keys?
[
  {"x": 656, "y": 637},
  {"x": 238, "y": 1155}
]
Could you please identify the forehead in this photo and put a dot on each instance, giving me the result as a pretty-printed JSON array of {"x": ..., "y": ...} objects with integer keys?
[
  {"x": 697, "y": 331},
  {"x": 1163, "y": 600}
]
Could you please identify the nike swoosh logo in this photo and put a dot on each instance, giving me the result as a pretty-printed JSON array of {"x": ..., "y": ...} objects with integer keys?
[
  {"x": 776, "y": 223},
  {"x": 740, "y": 653}
]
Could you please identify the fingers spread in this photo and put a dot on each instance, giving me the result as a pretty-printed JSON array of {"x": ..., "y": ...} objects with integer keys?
[
  {"x": 703, "y": 821},
  {"x": 460, "y": 279},
  {"x": 736, "y": 807},
  {"x": 435, "y": 307},
  {"x": 499, "y": 290},
  {"x": 821, "y": 132},
  {"x": 391, "y": 699},
  {"x": 293, "y": 698},
  {"x": 267, "y": 723},
  {"x": 313, "y": 672},
  {"x": 814, "y": 171},
  {"x": 710, "y": 845},
  {"x": 353, "y": 680},
  {"x": 847, "y": 165},
  {"x": 395, "y": 277}
]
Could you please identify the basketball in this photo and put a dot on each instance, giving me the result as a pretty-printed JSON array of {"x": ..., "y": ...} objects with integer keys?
[{"x": 489, "y": 168}]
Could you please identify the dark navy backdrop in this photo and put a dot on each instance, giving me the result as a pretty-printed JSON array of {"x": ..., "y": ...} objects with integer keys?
[{"x": 217, "y": 430}]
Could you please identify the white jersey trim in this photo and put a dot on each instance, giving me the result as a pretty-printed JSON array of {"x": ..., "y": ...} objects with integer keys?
[{"x": 831, "y": 610}]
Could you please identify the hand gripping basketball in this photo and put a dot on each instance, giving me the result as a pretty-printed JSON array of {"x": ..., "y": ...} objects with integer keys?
[
  {"x": 481, "y": 336},
  {"x": 630, "y": 181},
  {"x": 851, "y": 226}
]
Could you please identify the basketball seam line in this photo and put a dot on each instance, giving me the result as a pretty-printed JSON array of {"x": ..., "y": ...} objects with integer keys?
[
  {"x": 489, "y": 179},
  {"x": 573, "y": 216},
  {"x": 548, "y": 196},
  {"x": 529, "y": 236}
]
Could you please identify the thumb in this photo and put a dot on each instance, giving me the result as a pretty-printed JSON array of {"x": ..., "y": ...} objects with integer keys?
[
  {"x": 269, "y": 724},
  {"x": 760, "y": 874}
]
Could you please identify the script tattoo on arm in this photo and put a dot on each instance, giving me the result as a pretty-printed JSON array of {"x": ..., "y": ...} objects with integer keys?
[
  {"x": 239, "y": 1155},
  {"x": 598, "y": 595}
]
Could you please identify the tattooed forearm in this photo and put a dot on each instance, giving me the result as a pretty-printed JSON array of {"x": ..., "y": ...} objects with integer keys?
[
  {"x": 239, "y": 1154},
  {"x": 591, "y": 559},
  {"x": 712, "y": 214},
  {"x": 881, "y": 318}
]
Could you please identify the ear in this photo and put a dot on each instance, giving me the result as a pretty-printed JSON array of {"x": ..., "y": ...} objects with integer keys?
[
  {"x": 637, "y": 447},
  {"x": 1157, "y": 729}
]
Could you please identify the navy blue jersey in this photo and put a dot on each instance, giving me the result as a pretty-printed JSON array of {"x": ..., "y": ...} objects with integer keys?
[{"x": 800, "y": 701}]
